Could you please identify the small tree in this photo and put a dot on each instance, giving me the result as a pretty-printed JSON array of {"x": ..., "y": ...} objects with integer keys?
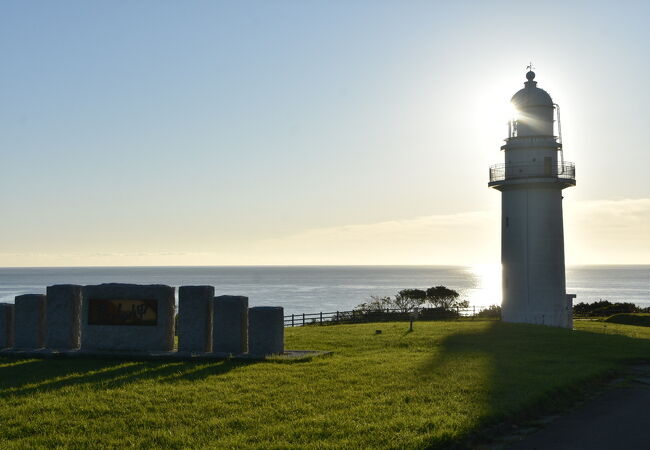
[
  {"x": 445, "y": 298},
  {"x": 407, "y": 300},
  {"x": 376, "y": 304}
]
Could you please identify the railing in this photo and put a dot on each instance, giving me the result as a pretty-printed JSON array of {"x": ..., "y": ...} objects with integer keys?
[
  {"x": 336, "y": 317},
  {"x": 502, "y": 172},
  {"x": 389, "y": 315}
]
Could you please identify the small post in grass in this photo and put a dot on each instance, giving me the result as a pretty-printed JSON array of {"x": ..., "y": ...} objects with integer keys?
[{"x": 413, "y": 316}]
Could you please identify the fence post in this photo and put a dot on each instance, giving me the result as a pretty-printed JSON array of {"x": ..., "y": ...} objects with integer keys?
[
  {"x": 337, "y": 316},
  {"x": 303, "y": 319},
  {"x": 292, "y": 320},
  {"x": 321, "y": 317}
]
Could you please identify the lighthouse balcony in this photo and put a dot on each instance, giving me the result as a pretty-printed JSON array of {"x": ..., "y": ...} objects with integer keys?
[{"x": 501, "y": 174}]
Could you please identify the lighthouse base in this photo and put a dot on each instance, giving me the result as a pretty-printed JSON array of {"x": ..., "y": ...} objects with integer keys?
[{"x": 559, "y": 315}]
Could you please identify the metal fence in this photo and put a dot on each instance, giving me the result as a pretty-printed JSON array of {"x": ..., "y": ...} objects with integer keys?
[
  {"x": 473, "y": 312},
  {"x": 355, "y": 316}
]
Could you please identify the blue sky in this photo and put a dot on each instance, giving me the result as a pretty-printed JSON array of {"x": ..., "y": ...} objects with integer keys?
[{"x": 271, "y": 132}]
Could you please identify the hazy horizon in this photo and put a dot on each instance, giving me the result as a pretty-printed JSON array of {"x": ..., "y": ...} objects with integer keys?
[{"x": 301, "y": 265}]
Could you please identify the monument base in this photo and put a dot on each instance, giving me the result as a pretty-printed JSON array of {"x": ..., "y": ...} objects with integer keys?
[{"x": 288, "y": 355}]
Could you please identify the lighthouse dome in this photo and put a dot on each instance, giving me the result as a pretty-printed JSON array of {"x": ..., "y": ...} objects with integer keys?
[{"x": 531, "y": 95}]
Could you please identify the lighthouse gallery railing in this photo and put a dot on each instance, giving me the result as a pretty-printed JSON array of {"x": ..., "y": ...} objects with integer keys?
[{"x": 501, "y": 172}]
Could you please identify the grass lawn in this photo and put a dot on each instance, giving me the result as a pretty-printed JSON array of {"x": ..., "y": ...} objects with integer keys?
[{"x": 445, "y": 382}]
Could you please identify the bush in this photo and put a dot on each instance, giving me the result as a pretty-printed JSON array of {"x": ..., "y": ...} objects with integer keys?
[
  {"x": 491, "y": 312},
  {"x": 376, "y": 304},
  {"x": 640, "y": 320},
  {"x": 438, "y": 314},
  {"x": 363, "y": 313},
  {"x": 604, "y": 308}
]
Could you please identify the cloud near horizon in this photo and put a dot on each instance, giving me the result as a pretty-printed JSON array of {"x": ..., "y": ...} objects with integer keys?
[
  {"x": 608, "y": 232},
  {"x": 596, "y": 232}
]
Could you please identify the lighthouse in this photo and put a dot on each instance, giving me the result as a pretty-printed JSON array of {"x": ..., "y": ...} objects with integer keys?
[{"x": 531, "y": 181}]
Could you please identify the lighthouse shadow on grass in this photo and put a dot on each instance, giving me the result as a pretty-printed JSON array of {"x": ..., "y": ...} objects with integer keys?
[{"x": 512, "y": 373}]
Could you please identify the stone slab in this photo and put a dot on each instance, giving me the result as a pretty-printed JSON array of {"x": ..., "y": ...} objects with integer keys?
[
  {"x": 230, "y": 324},
  {"x": 158, "y": 336},
  {"x": 266, "y": 330},
  {"x": 29, "y": 321},
  {"x": 63, "y": 312},
  {"x": 195, "y": 318},
  {"x": 6, "y": 325}
]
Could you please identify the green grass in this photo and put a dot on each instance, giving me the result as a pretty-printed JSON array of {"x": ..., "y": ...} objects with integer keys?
[
  {"x": 445, "y": 382},
  {"x": 638, "y": 319}
]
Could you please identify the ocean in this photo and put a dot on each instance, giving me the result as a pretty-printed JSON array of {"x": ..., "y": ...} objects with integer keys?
[{"x": 333, "y": 288}]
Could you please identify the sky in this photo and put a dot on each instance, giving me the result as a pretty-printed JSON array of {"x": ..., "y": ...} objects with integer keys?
[{"x": 320, "y": 132}]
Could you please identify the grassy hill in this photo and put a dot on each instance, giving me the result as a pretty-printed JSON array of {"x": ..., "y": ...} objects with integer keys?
[{"x": 445, "y": 382}]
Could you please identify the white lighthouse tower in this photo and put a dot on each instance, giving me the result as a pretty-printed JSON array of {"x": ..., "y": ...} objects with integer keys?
[{"x": 532, "y": 237}]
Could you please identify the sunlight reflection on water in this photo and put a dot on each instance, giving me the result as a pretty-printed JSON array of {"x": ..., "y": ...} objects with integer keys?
[{"x": 487, "y": 285}]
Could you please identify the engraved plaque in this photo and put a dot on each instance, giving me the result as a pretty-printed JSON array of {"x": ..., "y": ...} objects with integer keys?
[{"x": 104, "y": 311}]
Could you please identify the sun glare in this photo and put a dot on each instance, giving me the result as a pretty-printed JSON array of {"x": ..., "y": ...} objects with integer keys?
[
  {"x": 513, "y": 112},
  {"x": 487, "y": 287},
  {"x": 493, "y": 115}
]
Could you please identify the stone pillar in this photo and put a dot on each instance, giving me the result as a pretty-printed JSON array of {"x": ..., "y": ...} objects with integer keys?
[
  {"x": 230, "y": 324},
  {"x": 63, "y": 310},
  {"x": 266, "y": 330},
  {"x": 195, "y": 318},
  {"x": 29, "y": 321},
  {"x": 6, "y": 325}
]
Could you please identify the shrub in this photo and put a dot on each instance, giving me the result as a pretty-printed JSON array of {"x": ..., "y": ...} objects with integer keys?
[
  {"x": 376, "y": 304},
  {"x": 438, "y": 314},
  {"x": 491, "y": 312},
  {"x": 641, "y": 320},
  {"x": 603, "y": 308}
]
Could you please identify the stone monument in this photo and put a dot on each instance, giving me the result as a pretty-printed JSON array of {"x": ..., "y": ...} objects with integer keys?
[{"x": 134, "y": 320}]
